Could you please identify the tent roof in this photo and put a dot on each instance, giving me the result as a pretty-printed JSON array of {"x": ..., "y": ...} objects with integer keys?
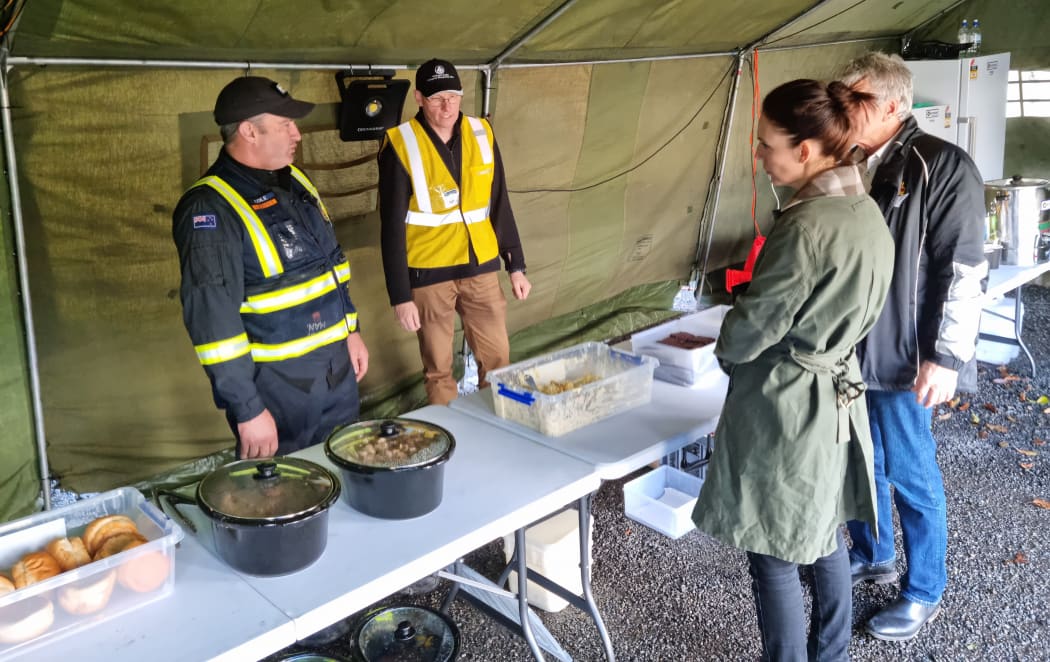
[{"x": 386, "y": 32}]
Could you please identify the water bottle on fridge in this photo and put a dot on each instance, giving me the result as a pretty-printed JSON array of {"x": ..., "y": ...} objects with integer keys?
[
  {"x": 975, "y": 37},
  {"x": 964, "y": 37}
]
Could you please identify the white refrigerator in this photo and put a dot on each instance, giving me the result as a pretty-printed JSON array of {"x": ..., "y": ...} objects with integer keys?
[{"x": 971, "y": 96}]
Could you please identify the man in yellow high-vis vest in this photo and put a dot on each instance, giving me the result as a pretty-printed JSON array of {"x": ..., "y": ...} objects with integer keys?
[
  {"x": 447, "y": 224},
  {"x": 265, "y": 292}
]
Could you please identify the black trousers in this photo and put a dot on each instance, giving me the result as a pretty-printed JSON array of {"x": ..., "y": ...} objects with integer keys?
[
  {"x": 781, "y": 619},
  {"x": 308, "y": 396}
]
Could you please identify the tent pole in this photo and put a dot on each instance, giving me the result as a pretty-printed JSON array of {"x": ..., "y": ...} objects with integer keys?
[
  {"x": 23, "y": 280},
  {"x": 536, "y": 29},
  {"x": 708, "y": 219}
]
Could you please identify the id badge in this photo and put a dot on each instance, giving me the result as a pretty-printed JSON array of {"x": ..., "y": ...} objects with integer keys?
[{"x": 451, "y": 198}]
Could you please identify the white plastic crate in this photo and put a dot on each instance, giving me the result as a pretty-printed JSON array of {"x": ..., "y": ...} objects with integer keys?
[
  {"x": 663, "y": 499},
  {"x": 552, "y": 548},
  {"x": 686, "y": 367},
  {"x": 149, "y": 568},
  {"x": 624, "y": 380}
]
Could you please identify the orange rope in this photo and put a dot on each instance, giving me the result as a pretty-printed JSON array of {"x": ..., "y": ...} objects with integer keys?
[{"x": 755, "y": 105}]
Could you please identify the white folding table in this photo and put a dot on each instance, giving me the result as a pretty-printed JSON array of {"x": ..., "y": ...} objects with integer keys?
[
  {"x": 213, "y": 614},
  {"x": 675, "y": 417},
  {"x": 495, "y": 483},
  {"x": 1006, "y": 279}
]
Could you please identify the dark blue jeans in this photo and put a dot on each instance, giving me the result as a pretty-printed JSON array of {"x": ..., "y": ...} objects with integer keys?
[
  {"x": 781, "y": 617},
  {"x": 906, "y": 457}
]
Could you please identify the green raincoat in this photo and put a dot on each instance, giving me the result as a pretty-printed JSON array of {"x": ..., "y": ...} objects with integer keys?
[{"x": 793, "y": 456}]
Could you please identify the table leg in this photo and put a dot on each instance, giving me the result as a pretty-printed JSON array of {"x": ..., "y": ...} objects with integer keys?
[
  {"x": 1017, "y": 328},
  {"x": 585, "y": 576},
  {"x": 523, "y": 588}
]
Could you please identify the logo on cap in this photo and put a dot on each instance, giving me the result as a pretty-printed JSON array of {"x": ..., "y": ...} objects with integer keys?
[{"x": 439, "y": 70}]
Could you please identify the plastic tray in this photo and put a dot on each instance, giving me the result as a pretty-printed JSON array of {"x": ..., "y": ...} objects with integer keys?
[
  {"x": 32, "y": 533},
  {"x": 663, "y": 499},
  {"x": 624, "y": 381},
  {"x": 686, "y": 367}
]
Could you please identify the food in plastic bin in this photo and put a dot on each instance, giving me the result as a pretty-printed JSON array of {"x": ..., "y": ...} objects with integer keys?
[{"x": 621, "y": 381}]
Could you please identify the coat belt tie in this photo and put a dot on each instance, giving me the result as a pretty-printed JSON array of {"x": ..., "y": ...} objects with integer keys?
[{"x": 846, "y": 390}]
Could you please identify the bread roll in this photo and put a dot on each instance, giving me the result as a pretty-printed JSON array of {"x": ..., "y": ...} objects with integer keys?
[
  {"x": 34, "y": 567},
  {"x": 88, "y": 595},
  {"x": 69, "y": 552},
  {"x": 118, "y": 543},
  {"x": 5, "y": 585},
  {"x": 145, "y": 573},
  {"x": 26, "y": 619},
  {"x": 103, "y": 528}
]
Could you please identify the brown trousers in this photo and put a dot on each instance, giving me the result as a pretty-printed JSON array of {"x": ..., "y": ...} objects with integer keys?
[{"x": 482, "y": 306}]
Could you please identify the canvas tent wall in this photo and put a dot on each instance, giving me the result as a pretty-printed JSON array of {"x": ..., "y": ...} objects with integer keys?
[{"x": 614, "y": 168}]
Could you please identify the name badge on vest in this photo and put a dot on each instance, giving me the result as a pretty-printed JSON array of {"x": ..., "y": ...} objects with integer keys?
[{"x": 451, "y": 197}]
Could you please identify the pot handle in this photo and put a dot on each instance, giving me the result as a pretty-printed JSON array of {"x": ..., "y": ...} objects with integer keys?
[{"x": 173, "y": 498}]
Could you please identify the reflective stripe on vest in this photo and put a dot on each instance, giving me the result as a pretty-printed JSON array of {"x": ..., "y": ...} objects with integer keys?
[
  {"x": 288, "y": 297},
  {"x": 295, "y": 348},
  {"x": 223, "y": 350},
  {"x": 264, "y": 248},
  {"x": 308, "y": 185},
  {"x": 415, "y": 162},
  {"x": 483, "y": 140},
  {"x": 434, "y": 220}
]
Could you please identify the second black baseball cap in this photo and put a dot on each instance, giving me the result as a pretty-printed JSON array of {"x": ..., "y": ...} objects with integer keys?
[{"x": 434, "y": 76}]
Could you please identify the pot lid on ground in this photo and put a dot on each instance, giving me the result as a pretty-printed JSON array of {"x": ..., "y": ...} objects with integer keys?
[{"x": 407, "y": 634}]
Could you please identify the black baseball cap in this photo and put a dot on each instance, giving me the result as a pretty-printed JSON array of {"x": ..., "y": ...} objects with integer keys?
[
  {"x": 249, "y": 96},
  {"x": 434, "y": 76}
]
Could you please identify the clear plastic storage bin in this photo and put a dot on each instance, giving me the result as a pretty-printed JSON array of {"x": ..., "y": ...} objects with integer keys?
[
  {"x": 663, "y": 499},
  {"x": 621, "y": 380},
  {"x": 686, "y": 367},
  {"x": 137, "y": 576}
]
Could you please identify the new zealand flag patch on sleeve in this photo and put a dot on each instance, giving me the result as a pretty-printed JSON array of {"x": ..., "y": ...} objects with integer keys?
[{"x": 204, "y": 222}]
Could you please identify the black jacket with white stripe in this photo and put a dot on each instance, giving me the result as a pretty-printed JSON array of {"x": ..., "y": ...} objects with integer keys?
[{"x": 932, "y": 196}]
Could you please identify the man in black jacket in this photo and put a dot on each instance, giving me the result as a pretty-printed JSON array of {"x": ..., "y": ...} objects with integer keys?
[
  {"x": 264, "y": 291},
  {"x": 922, "y": 347}
]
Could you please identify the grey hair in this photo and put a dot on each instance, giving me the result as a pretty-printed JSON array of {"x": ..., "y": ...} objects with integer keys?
[
  {"x": 229, "y": 131},
  {"x": 887, "y": 75}
]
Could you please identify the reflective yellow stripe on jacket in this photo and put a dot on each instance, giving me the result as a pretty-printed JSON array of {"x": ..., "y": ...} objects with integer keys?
[
  {"x": 289, "y": 297},
  {"x": 289, "y": 350},
  {"x": 309, "y": 186},
  {"x": 223, "y": 350},
  {"x": 264, "y": 248}
]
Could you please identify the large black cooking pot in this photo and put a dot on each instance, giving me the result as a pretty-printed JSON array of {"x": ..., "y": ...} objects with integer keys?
[
  {"x": 269, "y": 517},
  {"x": 392, "y": 469}
]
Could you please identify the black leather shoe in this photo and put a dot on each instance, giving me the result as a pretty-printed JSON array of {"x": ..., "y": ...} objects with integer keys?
[
  {"x": 882, "y": 573},
  {"x": 901, "y": 620}
]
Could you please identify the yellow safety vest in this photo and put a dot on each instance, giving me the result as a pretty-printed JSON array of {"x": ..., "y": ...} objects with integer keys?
[{"x": 445, "y": 219}]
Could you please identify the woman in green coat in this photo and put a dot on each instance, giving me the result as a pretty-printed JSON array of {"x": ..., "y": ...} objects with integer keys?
[{"x": 792, "y": 459}]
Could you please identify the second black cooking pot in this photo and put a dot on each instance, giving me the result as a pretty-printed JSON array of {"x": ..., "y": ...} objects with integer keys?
[
  {"x": 394, "y": 468},
  {"x": 268, "y": 517}
]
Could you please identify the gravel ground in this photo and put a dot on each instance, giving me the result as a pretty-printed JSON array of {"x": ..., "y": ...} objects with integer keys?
[{"x": 689, "y": 599}]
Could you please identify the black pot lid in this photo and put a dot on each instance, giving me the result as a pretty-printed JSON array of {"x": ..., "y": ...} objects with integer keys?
[
  {"x": 281, "y": 489},
  {"x": 390, "y": 444},
  {"x": 407, "y": 634}
]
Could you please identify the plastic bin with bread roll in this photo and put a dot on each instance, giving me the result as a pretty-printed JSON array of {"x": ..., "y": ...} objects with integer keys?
[{"x": 82, "y": 564}]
